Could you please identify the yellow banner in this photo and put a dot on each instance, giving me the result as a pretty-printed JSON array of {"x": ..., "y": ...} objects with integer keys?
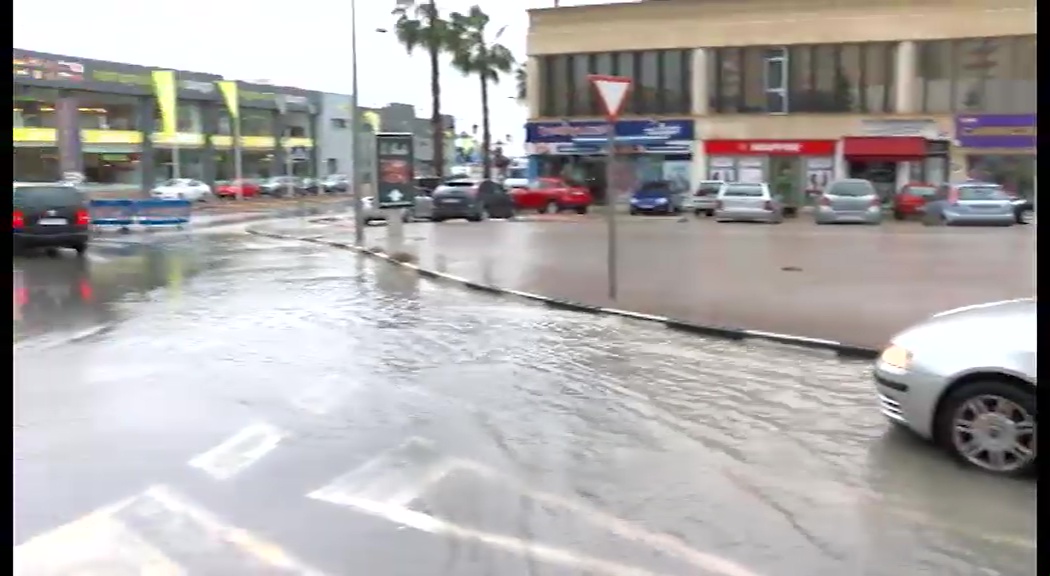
[
  {"x": 229, "y": 94},
  {"x": 110, "y": 137},
  {"x": 371, "y": 119},
  {"x": 36, "y": 135},
  {"x": 166, "y": 90}
]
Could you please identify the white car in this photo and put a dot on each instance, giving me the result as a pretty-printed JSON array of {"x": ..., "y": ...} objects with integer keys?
[{"x": 182, "y": 189}]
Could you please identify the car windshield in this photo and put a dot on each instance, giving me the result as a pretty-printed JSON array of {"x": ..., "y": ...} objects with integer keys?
[
  {"x": 853, "y": 188},
  {"x": 753, "y": 190},
  {"x": 708, "y": 188},
  {"x": 982, "y": 193},
  {"x": 517, "y": 173},
  {"x": 47, "y": 196},
  {"x": 653, "y": 190},
  {"x": 548, "y": 184}
]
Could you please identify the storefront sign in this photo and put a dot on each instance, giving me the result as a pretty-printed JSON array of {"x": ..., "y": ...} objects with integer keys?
[
  {"x": 570, "y": 149},
  {"x": 922, "y": 127},
  {"x": 41, "y": 67},
  {"x": 564, "y": 132},
  {"x": 770, "y": 147},
  {"x": 996, "y": 130}
]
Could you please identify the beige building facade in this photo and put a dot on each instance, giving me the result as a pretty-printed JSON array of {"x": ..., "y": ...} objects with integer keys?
[{"x": 783, "y": 75}]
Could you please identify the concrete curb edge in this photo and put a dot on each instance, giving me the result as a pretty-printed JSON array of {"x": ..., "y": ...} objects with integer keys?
[{"x": 725, "y": 332}]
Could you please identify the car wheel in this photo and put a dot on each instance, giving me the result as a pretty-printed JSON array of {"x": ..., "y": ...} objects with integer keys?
[
  {"x": 897, "y": 215},
  {"x": 436, "y": 220},
  {"x": 632, "y": 212},
  {"x": 81, "y": 248},
  {"x": 550, "y": 208},
  {"x": 581, "y": 210},
  {"x": 1025, "y": 217},
  {"x": 697, "y": 213},
  {"x": 991, "y": 425},
  {"x": 407, "y": 216},
  {"x": 710, "y": 213}
]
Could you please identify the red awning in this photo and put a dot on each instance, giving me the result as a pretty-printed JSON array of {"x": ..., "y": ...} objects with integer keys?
[{"x": 884, "y": 148}]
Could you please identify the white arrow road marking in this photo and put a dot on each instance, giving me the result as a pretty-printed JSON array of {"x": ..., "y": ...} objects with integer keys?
[{"x": 240, "y": 451}]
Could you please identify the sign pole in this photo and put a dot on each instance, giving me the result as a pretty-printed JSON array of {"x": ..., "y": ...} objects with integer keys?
[{"x": 612, "y": 92}]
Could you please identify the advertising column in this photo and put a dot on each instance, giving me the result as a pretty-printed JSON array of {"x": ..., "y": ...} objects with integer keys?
[{"x": 70, "y": 153}]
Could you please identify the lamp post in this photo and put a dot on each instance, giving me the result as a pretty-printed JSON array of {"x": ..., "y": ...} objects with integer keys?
[{"x": 355, "y": 131}]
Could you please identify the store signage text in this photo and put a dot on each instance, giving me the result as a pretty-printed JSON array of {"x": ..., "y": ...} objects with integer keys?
[
  {"x": 114, "y": 77},
  {"x": 996, "y": 130},
  {"x": 32, "y": 67},
  {"x": 770, "y": 147},
  {"x": 552, "y": 132}
]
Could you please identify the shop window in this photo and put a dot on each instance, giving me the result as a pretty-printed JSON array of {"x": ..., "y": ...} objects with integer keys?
[
  {"x": 1015, "y": 173},
  {"x": 99, "y": 111},
  {"x": 256, "y": 122},
  {"x": 879, "y": 67},
  {"x": 36, "y": 165},
  {"x": 110, "y": 168},
  {"x": 297, "y": 125},
  {"x": 34, "y": 107}
]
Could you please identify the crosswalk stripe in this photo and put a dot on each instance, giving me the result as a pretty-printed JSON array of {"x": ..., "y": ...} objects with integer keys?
[{"x": 239, "y": 451}]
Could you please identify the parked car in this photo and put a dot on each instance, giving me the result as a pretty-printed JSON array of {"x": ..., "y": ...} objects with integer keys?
[
  {"x": 552, "y": 195},
  {"x": 655, "y": 198},
  {"x": 1024, "y": 209},
  {"x": 704, "y": 199},
  {"x": 966, "y": 379},
  {"x": 182, "y": 189},
  {"x": 911, "y": 200},
  {"x": 970, "y": 203},
  {"x": 852, "y": 200},
  {"x": 474, "y": 200},
  {"x": 372, "y": 212},
  {"x": 310, "y": 186},
  {"x": 748, "y": 202},
  {"x": 246, "y": 188},
  {"x": 427, "y": 184},
  {"x": 281, "y": 186},
  {"x": 336, "y": 184},
  {"x": 49, "y": 216}
]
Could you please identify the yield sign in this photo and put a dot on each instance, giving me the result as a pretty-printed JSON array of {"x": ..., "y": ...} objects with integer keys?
[{"x": 612, "y": 90}]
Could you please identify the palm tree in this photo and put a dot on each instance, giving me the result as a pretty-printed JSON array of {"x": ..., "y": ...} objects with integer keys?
[
  {"x": 521, "y": 76},
  {"x": 419, "y": 25},
  {"x": 476, "y": 55}
]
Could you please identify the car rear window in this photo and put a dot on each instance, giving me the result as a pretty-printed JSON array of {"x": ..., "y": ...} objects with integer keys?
[
  {"x": 458, "y": 184},
  {"x": 982, "y": 193},
  {"x": 706, "y": 189},
  {"x": 853, "y": 188},
  {"x": 654, "y": 190},
  {"x": 47, "y": 197},
  {"x": 922, "y": 191},
  {"x": 751, "y": 190}
]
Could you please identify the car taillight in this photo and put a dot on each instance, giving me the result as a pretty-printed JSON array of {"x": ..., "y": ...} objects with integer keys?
[
  {"x": 876, "y": 202},
  {"x": 768, "y": 205},
  {"x": 18, "y": 220},
  {"x": 825, "y": 201},
  {"x": 718, "y": 205},
  {"x": 87, "y": 293},
  {"x": 22, "y": 296},
  {"x": 83, "y": 219}
]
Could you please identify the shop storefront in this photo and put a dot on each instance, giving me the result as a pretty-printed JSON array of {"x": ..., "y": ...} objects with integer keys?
[
  {"x": 999, "y": 148},
  {"x": 552, "y": 152},
  {"x": 796, "y": 169},
  {"x": 890, "y": 162}
]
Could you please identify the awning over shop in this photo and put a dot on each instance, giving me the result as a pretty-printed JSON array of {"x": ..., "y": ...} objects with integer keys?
[{"x": 884, "y": 148}]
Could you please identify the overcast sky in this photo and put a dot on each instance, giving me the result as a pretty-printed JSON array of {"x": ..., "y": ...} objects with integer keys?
[{"x": 295, "y": 43}]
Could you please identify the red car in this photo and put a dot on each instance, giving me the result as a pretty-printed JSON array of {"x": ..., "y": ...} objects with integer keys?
[
  {"x": 911, "y": 199},
  {"x": 230, "y": 189},
  {"x": 552, "y": 195}
]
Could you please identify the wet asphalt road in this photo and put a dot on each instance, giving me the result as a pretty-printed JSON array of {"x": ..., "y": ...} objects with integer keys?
[{"x": 226, "y": 404}]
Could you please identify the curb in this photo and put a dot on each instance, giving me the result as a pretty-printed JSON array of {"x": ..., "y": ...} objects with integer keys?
[{"x": 725, "y": 332}]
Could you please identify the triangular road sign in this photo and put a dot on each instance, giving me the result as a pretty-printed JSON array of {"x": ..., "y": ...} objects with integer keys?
[{"x": 612, "y": 91}]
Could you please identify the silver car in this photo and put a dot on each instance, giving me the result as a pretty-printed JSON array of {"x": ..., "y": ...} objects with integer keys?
[
  {"x": 852, "y": 200},
  {"x": 970, "y": 203},
  {"x": 748, "y": 202},
  {"x": 705, "y": 198},
  {"x": 966, "y": 379}
]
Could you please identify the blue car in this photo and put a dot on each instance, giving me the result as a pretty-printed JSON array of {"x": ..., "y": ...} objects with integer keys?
[{"x": 655, "y": 198}]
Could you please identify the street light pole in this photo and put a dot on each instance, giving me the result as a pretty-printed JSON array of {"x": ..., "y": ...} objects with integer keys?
[{"x": 355, "y": 131}]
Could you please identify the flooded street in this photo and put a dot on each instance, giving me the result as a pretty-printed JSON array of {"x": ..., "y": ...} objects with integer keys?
[{"x": 228, "y": 404}]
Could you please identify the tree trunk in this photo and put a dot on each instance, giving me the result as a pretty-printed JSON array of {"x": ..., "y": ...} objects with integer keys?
[
  {"x": 436, "y": 125},
  {"x": 486, "y": 134}
]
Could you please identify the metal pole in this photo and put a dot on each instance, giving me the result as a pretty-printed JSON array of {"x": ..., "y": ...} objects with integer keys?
[
  {"x": 175, "y": 172},
  {"x": 290, "y": 189},
  {"x": 610, "y": 210},
  {"x": 355, "y": 131},
  {"x": 238, "y": 166}
]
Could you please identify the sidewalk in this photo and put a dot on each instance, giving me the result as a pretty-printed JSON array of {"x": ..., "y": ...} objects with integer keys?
[{"x": 856, "y": 285}]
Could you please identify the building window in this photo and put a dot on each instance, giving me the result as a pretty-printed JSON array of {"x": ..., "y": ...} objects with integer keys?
[
  {"x": 557, "y": 86},
  {"x": 338, "y": 123},
  {"x": 804, "y": 78},
  {"x": 978, "y": 75},
  {"x": 583, "y": 103},
  {"x": 647, "y": 83},
  {"x": 673, "y": 87}
]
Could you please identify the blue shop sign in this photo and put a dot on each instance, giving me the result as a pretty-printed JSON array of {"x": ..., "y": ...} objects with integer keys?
[{"x": 564, "y": 132}]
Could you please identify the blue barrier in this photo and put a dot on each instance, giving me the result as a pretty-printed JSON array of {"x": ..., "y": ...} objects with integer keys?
[{"x": 126, "y": 212}]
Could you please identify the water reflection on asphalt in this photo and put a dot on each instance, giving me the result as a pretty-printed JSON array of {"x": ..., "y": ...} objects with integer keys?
[{"x": 616, "y": 441}]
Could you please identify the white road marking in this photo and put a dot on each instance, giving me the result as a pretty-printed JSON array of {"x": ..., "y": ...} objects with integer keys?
[
  {"x": 398, "y": 475},
  {"x": 102, "y": 544},
  {"x": 239, "y": 451}
]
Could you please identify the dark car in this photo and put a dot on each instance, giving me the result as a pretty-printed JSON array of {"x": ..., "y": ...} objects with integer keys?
[
  {"x": 281, "y": 185},
  {"x": 1024, "y": 209},
  {"x": 50, "y": 216},
  {"x": 474, "y": 200},
  {"x": 655, "y": 198}
]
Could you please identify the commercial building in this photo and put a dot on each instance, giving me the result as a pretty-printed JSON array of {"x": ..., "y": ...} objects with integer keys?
[
  {"x": 105, "y": 121},
  {"x": 795, "y": 91}
]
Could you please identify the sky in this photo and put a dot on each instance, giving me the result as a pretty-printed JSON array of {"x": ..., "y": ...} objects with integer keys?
[{"x": 281, "y": 42}]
